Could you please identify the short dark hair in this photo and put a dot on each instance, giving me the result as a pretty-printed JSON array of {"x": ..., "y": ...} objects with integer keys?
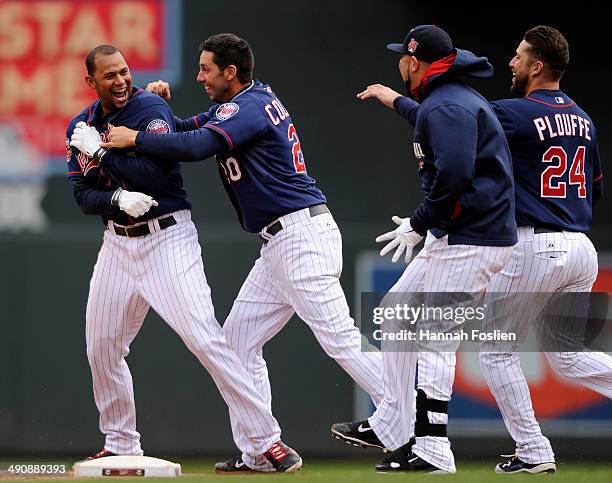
[
  {"x": 229, "y": 49},
  {"x": 549, "y": 46},
  {"x": 90, "y": 60}
]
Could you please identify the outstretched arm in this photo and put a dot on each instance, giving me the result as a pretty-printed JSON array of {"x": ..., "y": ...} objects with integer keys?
[
  {"x": 405, "y": 107},
  {"x": 186, "y": 146}
]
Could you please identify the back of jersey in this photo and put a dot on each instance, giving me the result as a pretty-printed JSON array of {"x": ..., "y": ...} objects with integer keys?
[
  {"x": 555, "y": 158},
  {"x": 263, "y": 169}
]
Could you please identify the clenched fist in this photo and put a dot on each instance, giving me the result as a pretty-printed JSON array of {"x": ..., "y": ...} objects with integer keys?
[{"x": 161, "y": 88}]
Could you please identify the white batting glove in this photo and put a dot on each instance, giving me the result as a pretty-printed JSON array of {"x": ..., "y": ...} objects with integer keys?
[
  {"x": 87, "y": 140},
  {"x": 403, "y": 238},
  {"x": 133, "y": 203}
]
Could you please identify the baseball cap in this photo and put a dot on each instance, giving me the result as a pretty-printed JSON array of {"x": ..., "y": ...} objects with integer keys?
[{"x": 425, "y": 42}]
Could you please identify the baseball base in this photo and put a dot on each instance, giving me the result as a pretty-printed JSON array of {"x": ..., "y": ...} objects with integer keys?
[{"x": 127, "y": 466}]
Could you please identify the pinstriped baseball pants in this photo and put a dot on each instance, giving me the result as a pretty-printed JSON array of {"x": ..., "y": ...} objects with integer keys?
[
  {"x": 548, "y": 262},
  {"x": 299, "y": 272},
  {"x": 439, "y": 267},
  {"x": 162, "y": 270}
]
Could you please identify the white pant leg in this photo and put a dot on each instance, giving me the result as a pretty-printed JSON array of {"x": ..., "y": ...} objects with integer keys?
[
  {"x": 451, "y": 268},
  {"x": 306, "y": 260},
  {"x": 258, "y": 314},
  {"x": 174, "y": 283},
  {"x": 590, "y": 369},
  {"x": 393, "y": 420},
  {"x": 501, "y": 365},
  {"x": 114, "y": 315},
  {"x": 544, "y": 263}
]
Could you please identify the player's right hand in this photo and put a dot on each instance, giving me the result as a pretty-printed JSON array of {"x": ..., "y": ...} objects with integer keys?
[
  {"x": 384, "y": 94},
  {"x": 134, "y": 203},
  {"x": 161, "y": 88},
  {"x": 403, "y": 238}
]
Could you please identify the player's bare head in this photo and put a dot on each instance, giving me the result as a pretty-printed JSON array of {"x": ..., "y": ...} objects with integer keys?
[
  {"x": 540, "y": 60},
  {"x": 226, "y": 65},
  {"x": 109, "y": 75},
  {"x": 90, "y": 60},
  {"x": 549, "y": 46}
]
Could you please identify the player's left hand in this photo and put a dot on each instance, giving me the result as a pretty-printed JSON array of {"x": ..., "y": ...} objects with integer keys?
[
  {"x": 86, "y": 139},
  {"x": 121, "y": 137},
  {"x": 161, "y": 88},
  {"x": 384, "y": 94},
  {"x": 403, "y": 238}
]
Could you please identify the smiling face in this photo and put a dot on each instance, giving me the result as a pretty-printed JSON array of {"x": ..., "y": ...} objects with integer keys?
[
  {"x": 112, "y": 81},
  {"x": 216, "y": 82},
  {"x": 521, "y": 66}
]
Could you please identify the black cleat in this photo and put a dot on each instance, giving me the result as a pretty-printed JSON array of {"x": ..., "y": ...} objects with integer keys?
[
  {"x": 103, "y": 453},
  {"x": 283, "y": 458},
  {"x": 235, "y": 465},
  {"x": 357, "y": 433},
  {"x": 515, "y": 465},
  {"x": 404, "y": 460}
]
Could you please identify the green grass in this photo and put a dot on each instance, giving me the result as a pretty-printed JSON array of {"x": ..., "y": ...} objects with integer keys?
[{"x": 362, "y": 471}]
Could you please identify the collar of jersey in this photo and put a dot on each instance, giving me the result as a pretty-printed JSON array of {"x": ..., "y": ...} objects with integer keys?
[{"x": 243, "y": 90}]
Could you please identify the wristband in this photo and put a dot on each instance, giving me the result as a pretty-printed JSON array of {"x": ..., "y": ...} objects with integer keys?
[
  {"x": 116, "y": 196},
  {"x": 99, "y": 154}
]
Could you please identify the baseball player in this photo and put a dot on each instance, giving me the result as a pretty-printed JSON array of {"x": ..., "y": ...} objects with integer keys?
[
  {"x": 468, "y": 217},
  {"x": 263, "y": 169},
  {"x": 150, "y": 257},
  {"x": 558, "y": 177}
]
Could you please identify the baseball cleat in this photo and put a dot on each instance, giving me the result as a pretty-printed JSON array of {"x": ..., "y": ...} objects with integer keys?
[
  {"x": 357, "y": 433},
  {"x": 103, "y": 453},
  {"x": 283, "y": 458},
  {"x": 404, "y": 460},
  {"x": 515, "y": 465},
  {"x": 235, "y": 465}
]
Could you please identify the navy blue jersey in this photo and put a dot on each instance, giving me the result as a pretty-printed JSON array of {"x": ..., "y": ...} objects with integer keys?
[
  {"x": 260, "y": 159},
  {"x": 464, "y": 160},
  {"x": 95, "y": 182},
  {"x": 555, "y": 157}
]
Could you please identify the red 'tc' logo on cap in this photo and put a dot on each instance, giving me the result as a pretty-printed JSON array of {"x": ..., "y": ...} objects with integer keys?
[{"x": 412, "y": 46}]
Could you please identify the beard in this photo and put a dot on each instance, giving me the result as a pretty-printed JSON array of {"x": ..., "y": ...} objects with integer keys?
[
  {"x": 408, "y": 86},
  {"x": 519, "y": 85}
]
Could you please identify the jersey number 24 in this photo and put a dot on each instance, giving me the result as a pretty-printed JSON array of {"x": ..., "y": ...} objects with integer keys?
[{"x": 550, "y": 186}]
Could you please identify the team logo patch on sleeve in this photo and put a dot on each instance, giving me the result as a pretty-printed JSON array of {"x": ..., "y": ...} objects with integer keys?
[
  {"x": 227, "y": 110},
  {"x": 158, "y": 126}
]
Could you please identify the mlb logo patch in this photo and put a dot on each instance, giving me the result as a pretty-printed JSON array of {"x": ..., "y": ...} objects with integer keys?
[
  {"x": 158, "y": 126},
  {"x": 227, "y": 110},
  {"x": 412, "y": 46},
  {"x": 559, "y": 100}
]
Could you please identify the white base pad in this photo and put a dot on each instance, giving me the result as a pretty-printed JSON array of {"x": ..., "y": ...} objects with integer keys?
[{"x": 127, "y": 466}]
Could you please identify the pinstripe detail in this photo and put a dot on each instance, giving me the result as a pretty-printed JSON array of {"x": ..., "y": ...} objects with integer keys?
[
  {"x": 299, "y": 272},
  {"x": 163, "y": 270},
  {"x": 439, "y": 267},
  {"x": 531, "y": 270}
]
